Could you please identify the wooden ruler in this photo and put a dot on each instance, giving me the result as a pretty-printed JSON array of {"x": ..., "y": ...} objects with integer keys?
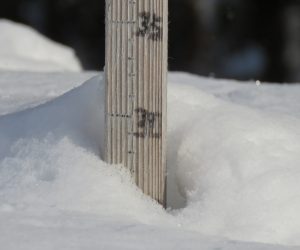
[{"x": 136, "y": 90}]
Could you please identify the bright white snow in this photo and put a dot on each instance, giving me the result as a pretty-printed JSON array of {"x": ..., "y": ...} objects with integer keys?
[
  {"x": 24, "y": 49},
  {"x": 235, "y": 164}
]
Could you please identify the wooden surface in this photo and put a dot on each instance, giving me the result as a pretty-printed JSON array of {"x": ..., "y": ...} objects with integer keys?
[{"x": 136, "y": 90}]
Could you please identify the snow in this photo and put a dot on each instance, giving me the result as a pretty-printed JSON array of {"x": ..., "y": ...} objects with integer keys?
[
  {"x": 233, "y": 175},
  {"x": 232, "y": 166},
  {"x": 237, "y": 166},
  {"x": 20, "y": 95},
  {"x": 24, "y": 49}
]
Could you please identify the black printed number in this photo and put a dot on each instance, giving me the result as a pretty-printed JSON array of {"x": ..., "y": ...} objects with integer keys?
[
  {"x": 150, "y": 26},
  {"x": 147, "y": 122}
]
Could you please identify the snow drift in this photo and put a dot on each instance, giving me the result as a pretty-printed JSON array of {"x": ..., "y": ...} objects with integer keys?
[
  {"x": 24, "y": 49},
  {"x": 232, "y": 166},
  {"x": 49, "y": 158},
  {"x": 237, "y": 168}
]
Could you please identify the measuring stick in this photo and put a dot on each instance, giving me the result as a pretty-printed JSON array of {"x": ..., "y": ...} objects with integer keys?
[{"x": 136, "y": 90}]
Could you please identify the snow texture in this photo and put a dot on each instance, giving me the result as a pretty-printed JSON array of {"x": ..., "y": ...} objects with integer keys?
[
  {"x": 232, "y": 165},
  {"x": 24, "y": 49}
]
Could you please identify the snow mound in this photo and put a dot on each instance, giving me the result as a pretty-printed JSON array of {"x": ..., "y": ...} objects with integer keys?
[
  {"x": 233, "y": 169},
  {"x": 24, "y": 49},
  {"x": 238, "y": 168},
  {"x": 49, "y": 159}
]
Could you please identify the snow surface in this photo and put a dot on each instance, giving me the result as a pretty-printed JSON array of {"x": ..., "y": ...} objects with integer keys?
[
  {"x": 232, "y": 168},
  {"x": 24, "y": 49}
]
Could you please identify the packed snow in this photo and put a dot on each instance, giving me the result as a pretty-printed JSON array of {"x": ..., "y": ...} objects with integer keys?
[
  {"x": 24, "y": 49},
  {"x": 233, "y": 175}
]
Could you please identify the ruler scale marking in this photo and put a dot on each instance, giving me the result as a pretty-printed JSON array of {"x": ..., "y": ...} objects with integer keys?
[{"x": 136, "y": 65}]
